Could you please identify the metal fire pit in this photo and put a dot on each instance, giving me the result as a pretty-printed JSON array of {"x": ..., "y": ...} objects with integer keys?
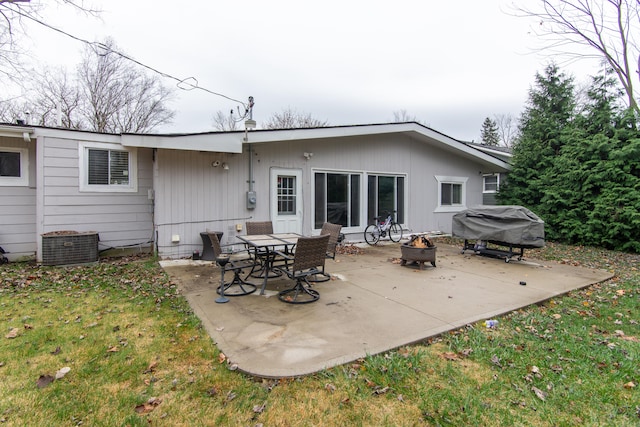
[{"x": 419, "y": 255}]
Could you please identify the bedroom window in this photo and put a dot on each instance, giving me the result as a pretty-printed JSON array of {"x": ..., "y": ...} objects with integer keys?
[
  {"x": 451, "y": 193},
  {"x": 104, "y": 168},
  {"x": 14, "y": 167}
]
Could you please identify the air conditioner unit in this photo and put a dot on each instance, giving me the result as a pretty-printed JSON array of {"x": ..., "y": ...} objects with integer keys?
[{"x": 69, "y": 247}]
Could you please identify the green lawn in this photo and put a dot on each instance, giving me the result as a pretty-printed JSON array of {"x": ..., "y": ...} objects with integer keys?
[{"x": 138, "y": 356}]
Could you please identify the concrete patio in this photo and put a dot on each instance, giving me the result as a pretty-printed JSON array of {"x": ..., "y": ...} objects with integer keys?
[{"x": 373, "y": 305}]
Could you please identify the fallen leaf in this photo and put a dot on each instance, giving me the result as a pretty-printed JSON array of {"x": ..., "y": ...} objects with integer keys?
[
  {"x": 466, "y": 352},
  {"x": 382, "y": 390},
  {"x": 539, "y": 393},
  {"x": 630, "y": 385},
  {"x": 230, "y": 396},
  {"x": 113, "y": 349},
  {"x": 28, "y": 326},
  {"x": 62, "y": 372},
  {"x": 330, "y": 387},
  {"x": 449, "y": 355},
  {"x": 12, "y": 333},
  {"x": 56, "y": 351},
  {"x": 221, "y": 357},
  {"x": 258, "y": 409},
  {"x": 495, "y": 360},
  {"x": 535, "y": 371},
  {"x": 557, "y": 316},
  {"x": 44, "y": 380},
  {"x": 151, "y": 367}
]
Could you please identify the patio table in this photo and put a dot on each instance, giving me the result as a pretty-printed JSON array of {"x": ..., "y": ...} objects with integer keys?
[{"x": 268, "y": 243}]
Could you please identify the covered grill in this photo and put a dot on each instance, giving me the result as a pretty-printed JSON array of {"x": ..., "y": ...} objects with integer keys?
[{"x": 512, "y": 227}]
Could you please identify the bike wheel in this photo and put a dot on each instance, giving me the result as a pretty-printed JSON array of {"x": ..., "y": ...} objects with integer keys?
[
  {"x": 395, "y": 232},
  {"x": 371, "y": 234}
]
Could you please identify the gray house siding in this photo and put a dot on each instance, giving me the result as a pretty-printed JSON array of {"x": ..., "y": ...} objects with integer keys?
[
  {"x": 18, "y": 208},
  {"x": 121, "y": 219},
  {"x": 192, "y": 196}
]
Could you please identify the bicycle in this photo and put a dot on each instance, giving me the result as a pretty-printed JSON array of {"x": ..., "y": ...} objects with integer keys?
[{"x": 380, "y": 229}]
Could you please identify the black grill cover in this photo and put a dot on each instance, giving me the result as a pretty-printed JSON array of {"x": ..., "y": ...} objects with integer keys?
[{"x": 514, "y": 225}]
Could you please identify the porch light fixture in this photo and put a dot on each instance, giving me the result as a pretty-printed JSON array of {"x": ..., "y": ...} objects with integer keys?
[{"x": 225, "y": 166}]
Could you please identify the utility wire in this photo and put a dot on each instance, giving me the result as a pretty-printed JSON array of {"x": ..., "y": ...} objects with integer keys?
[{"x": 187, "y": 83}]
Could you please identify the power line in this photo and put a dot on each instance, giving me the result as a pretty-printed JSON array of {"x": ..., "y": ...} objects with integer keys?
[{"x": 187, "y": 83}]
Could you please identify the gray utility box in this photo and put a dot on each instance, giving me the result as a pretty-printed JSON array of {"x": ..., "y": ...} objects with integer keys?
[
  {"x": 69, "y": 247},
  {"x": 251, "y": 199}
]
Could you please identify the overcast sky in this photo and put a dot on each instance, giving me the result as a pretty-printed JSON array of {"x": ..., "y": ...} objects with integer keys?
[{"x": 449, "y": 64}]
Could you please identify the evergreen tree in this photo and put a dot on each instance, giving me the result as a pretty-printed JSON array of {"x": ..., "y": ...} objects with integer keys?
[
  {"x": 546, "y": 119},
  {"x": 489, "y": 133},
  {"x": 591, "y": 192}
]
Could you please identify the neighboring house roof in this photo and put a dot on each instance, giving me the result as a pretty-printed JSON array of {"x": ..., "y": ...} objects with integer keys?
[
  {"x": 232, "y": 141},
  {"x": 499, "y": 151}
]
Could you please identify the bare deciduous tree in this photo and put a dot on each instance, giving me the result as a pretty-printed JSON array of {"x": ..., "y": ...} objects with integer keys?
[
  {"x": 507, "y": 128},
  {"x": 108, "y": 94},
  {"x": 118, "y": 96},
  {"x": 608, "y": 27},
  {"x": 14, "y": 14},
  {"x": 225, "y": 122},
  {"x": 402, "y": 116},
  {"x": 291, "y": 119},
  {"x": 57, "y": 101}
]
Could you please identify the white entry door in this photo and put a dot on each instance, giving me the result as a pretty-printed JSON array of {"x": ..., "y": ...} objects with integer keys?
[{"x": 286, "y": 200}]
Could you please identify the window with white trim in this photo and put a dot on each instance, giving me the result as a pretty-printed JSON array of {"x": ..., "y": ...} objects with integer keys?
[
  {"x": 490, "y": 183},
  {"x": 105, "y": 168},
  {"x": 452, "y": 193},
  {"x": 14, "y": 167},
  {"x": 337, "y": 198}
]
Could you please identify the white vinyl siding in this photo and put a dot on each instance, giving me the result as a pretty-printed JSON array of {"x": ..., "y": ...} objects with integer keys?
[{"x": 121, "y": 217}]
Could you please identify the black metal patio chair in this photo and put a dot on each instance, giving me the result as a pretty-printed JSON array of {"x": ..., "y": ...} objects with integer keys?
[
  {"x": 333, "y": 230},
  {"x": 308, "y": 260},
  {"x": 237, "y": 262}
]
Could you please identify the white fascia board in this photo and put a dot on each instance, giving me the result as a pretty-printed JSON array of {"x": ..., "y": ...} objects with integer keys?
[
  {"x": 258, "y": 136},
  {"x": 212, "y": 142},
  {"x": 22, "y": 132}
]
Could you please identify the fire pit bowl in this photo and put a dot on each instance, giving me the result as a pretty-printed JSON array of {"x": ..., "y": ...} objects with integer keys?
[{"x": 420, "y": 255}]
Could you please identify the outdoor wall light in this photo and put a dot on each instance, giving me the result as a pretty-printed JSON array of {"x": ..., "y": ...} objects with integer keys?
[
  {"x": 225, "y": 166},
  {"x": 307, "y": 155},
  {"x": 215, "y": 163}
]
